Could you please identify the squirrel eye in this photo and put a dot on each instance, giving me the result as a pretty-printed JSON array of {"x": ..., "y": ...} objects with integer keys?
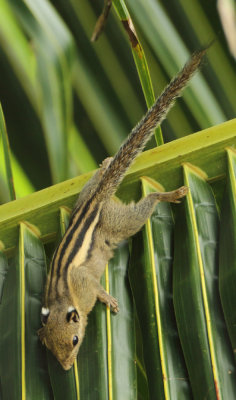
[{"x": 75, "y": 340}]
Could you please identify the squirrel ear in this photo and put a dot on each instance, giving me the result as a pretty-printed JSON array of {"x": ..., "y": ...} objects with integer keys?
[
  {"x": 44, "y": 315},
  {"x": 72, "y": 315}
]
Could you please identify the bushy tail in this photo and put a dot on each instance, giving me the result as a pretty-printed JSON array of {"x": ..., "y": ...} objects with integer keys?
[{"x": 139, "y": 136}]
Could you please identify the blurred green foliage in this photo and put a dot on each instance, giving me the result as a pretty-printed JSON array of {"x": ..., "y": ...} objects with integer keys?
[{"x": 68, "y": 102}]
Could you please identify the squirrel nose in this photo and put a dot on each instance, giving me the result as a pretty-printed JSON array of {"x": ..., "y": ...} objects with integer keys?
[{"x": 66, "y": 365}]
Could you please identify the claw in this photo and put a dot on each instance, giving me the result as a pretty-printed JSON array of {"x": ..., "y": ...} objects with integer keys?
[
  {"x": 179, "y": 193},
  {"x": 113, "y": 304}
]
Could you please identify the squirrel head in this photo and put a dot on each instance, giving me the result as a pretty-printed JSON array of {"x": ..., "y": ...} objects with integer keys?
[{"x": 62, "y": 332}]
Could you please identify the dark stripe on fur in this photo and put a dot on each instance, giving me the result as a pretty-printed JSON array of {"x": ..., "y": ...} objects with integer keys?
[
  {"x": 69, "y": 234},
  {"x": 49, "y": 288},
  {"x": 92, "y": 240},
  {"x": 79, "y": 242}
]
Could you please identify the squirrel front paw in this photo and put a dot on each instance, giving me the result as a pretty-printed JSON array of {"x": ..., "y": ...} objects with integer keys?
[
  {"x": 113, "y": 304},
  {"x": 109, "y": 300}
]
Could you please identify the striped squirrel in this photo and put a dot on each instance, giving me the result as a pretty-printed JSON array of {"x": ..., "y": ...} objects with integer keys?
[{"x": 98, "y": 223}]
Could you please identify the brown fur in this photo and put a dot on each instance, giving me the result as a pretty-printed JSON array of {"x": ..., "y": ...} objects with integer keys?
[{"x": 73, "y": 287}]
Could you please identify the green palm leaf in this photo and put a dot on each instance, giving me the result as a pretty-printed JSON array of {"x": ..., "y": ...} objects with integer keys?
[
  {"x": 6, "y": 150},
  {"x": 21, "y": 356},
  {"x": 196, "y": 293},
  {"x": 121, "y": 344},
  {"x": 227, "y": 273},
  {"x": 101, "y": 355},
  {"x": 68, "y": 104},
  {"x": 151, "y": 282}
]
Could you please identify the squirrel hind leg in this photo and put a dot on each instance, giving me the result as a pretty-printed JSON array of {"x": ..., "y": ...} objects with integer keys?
[
  {"x": 174, "y": 195},
  {"x": 128, "y": 219},
  {"x": 121, "y": 221}
]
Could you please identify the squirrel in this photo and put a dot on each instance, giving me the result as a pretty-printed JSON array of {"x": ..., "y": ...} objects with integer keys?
[{"x": 99, "y": 222}]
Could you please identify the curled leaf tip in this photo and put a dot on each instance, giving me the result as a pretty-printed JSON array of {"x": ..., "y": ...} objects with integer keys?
[
  {"x": 129, "y": 27},
  {"x": 31, "y": 227}
]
